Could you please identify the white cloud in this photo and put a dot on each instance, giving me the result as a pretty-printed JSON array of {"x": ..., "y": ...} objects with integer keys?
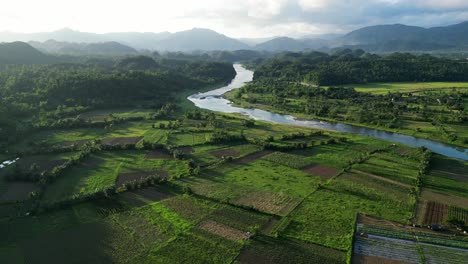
[
  {"x": 237, "y": 18},
  {"x": 312, "y": 4}
]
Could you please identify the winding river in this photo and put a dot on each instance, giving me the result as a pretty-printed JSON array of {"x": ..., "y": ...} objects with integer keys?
[{"x": 214, "y": 101}]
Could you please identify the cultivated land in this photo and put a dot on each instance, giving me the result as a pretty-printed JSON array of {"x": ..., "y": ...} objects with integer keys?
[{"x": 197, "y": 187}]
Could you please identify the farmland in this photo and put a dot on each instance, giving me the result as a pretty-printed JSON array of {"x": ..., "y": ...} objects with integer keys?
[{"x": 177, "y": 184}]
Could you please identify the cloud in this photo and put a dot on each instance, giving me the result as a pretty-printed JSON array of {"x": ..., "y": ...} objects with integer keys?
[{"x": 237, "y": 18}]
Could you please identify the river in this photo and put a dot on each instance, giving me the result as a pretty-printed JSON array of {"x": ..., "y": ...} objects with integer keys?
[{"x": 214, "y": 101}]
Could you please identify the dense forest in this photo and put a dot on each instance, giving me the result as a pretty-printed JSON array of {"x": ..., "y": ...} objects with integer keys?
[
  {"x": 355, "y": 66},
  {"x": 29, "y": 93}
]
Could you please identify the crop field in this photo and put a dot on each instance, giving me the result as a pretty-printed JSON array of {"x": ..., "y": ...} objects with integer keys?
[
  {"x": 458, "y": 213},
  {"x": 337, "y": 156},
  {"x": 383, "y": 88},
  {"x": 435, "y": 213},
  {"x": 291, "y": 160},
  {"x": 321, "y": 170},
  {"x": 383, "y": 164},
  {"x": 269, "y": 250},
  {"x": 389, "y": 242},
  {"x": 335, "y": 206},
  {"x": 102, "y": 170},
  {"x": 299, "y": 204}
]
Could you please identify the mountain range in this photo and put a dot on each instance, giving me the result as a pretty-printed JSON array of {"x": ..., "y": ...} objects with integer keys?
[{"x": 380, "y": 38}]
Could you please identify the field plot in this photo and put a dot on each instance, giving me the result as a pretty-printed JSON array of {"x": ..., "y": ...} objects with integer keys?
[
  {"x": 138, "y": 176},
  {"x": 96, "y": 172},
  {"x": 190, "y": 208},
  {"x": 392, "y": 167},
  {"x": 228, "y": 152},
  {"x": 279, "y": 204},
  {"x": 326, "y": 216},
  {"x": 158, "y": 154},
  {"x": 445, "y": 198},
  {"x": 399, "y": 250},
  {"x": 391, "y": 241},
  {"x": 188, "y": 139},
  {"x": 458, "y": 213},
  {"x": 144, "y": 196},
  {"x": 446, "y": 182},
  {"x": 321, "y": 170},
  {"x": 244, "y": 220},
  {"x": 252, "y": 157},
  {"x": 383, "y": 88},
  {"x": 337, "y": 155},
  {"x": 263, "y": 249},
  {"x": 121, "y": 140},
  {"x": 434, "y": 254},
  {"x": 198, "y": 246},
  {"x": 291, "y": 160},
  {"x": 435, "y": 213},
  {"x": 394, "y": 190},
  {"x": 101, "y": 170},
  {"x": 222, "y": 230}
]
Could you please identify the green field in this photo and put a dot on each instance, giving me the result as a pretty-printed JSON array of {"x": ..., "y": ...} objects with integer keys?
[
  {"x": 202, "y": 215},
  {"x": 407, "y": 87}
]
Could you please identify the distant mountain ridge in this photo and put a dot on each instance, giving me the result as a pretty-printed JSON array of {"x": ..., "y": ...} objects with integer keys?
[
  {"x": 100, "y": 48},
  {"x": 189, "y": 40},
  {"x": 437, "y": 37},
  {"x": 380, "y": 38},
  {"x": 199, "y": 39}
]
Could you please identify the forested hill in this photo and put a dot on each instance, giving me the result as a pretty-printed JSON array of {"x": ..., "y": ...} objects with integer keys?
[
  {"x": 22, "y": 53},
  {"x": 31, "y": 95},
  {"x": 348, "y": 67}
]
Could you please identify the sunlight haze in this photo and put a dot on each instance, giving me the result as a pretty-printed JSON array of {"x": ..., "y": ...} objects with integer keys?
[{"x": 253, "y": 18}]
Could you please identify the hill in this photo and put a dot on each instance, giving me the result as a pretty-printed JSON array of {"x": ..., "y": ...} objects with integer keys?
[
  {"x": 22, "y": 53},
  {"x": 72, "y": 48},
  {"x": 409, "y": 38},
  {"x": 199, "y": 39}
]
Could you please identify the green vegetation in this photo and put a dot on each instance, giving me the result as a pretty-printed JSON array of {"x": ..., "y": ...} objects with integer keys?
[
  {"x": 152, "y": 180},
  {"x": 372, "y": 91}
]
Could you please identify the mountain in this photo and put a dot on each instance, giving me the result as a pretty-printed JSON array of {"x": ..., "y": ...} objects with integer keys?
[
  {"x": 22, "y": 53},
  {"x": 199, "y": 39},
  {"x": 195, "y": 39},
  {"x": 71, "y": 48},
  {"x": 408, "y": 38},
  {"x": 290, "y": 44}
]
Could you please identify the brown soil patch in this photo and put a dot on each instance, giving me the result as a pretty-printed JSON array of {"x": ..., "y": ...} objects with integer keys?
[
  {"x": 186, "y": 150},
  {"x": 228, "y": 152},
  {"x": 18, "y": 191},
  {"x": 381, "y": 178},
  {"x": 136, "y": 176},
  {"x": 444, "y": 198},
  {"x": 158, "y": 154},
  {"x": 361, "y": 259},
  {"x": 321, "y": 170},
  {"x": 434, "y": 213},
  {"x": 222, "y": 230},
  {"x": 269, "y": 202},
  {"x": 121, "y": 140},
  {"x": 253, "y": 157}
]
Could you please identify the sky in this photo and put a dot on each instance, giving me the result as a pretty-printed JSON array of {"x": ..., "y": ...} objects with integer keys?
[{"x": 234, "y": 18}]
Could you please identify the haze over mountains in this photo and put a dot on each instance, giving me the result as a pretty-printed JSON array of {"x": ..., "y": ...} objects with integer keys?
[{"x": 380, "y": 38}]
